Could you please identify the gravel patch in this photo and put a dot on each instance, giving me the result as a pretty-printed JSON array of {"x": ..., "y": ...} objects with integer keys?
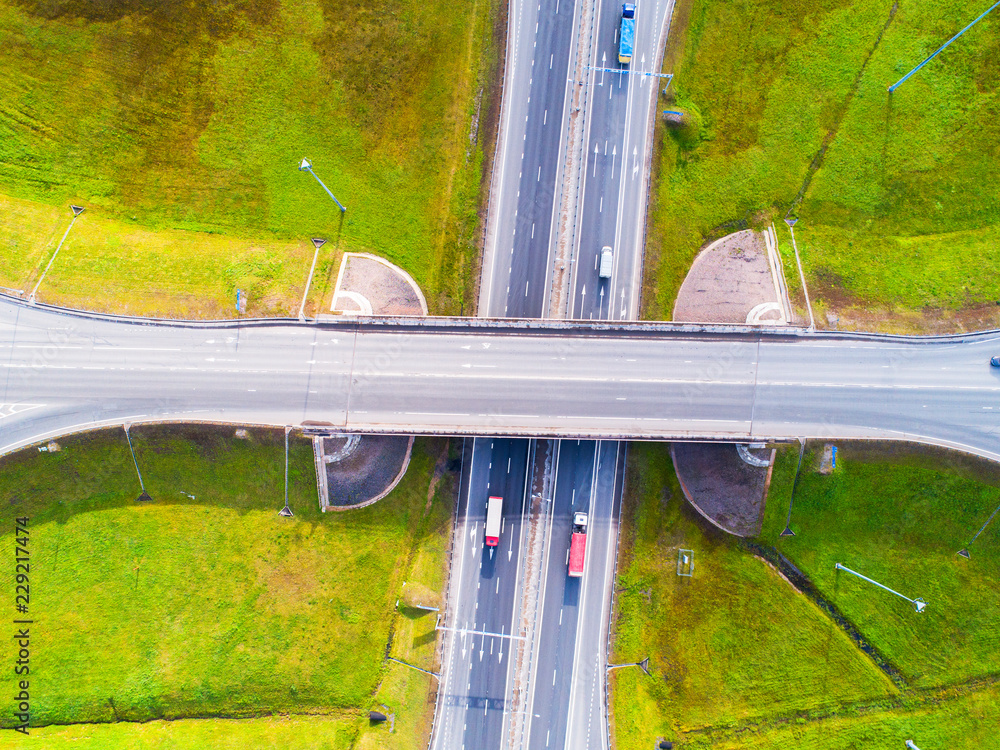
[
  {"x": 726, "y": 281},
  {"x": 721, "y": 486},
  {"x": 388, "y": 289},
  {"x": 368, "y": 471}
]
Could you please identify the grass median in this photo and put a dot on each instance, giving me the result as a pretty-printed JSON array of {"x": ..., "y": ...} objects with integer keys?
[
  {"x": 788, "y": 112},
  {"x": 214, "y": 606},
  {"x": 170, "y": 117}
]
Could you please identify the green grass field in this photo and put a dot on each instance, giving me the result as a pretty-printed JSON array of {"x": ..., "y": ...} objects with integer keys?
[
  {"x": 900, "y": 520},
  {"x": 171, "y": 116},
  {"x": 733, "y": 644},
  {"x": 217, "y": 607},
  {"x": 900, "y": 212},
  {"x": 740, "y": 659},
  {"x": 293, "y": 733}
]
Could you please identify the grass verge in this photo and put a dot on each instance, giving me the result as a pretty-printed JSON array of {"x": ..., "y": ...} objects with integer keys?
[
  {"x": 900, "y": 516},
  {"x": 290, "y": 732},
  {"x": 787, "y": 109},
  {"x": 195, "y": 117},
  {"x": 214, "y": 606},
  {"x": 739, "y": 659},
  {"x": 731, "y": 645}
]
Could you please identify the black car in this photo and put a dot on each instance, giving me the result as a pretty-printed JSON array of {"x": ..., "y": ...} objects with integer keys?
[{"x": 995, "y": 361}]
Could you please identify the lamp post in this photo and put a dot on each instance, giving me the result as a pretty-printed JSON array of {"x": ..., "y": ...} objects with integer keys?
[
  {"x": 791, "y": 228},
  {"x": 317, "y": 244},
  {"x": 965, "y": 552},
  {"x": 795, "y": 483},
  {"x": 918, "y": 604},
  {"x": 286, "y": 511},
  {"x": 77, "y": 210},
  {"x": 144, "y": 495},
  {"x": 306, "y": 166},
  {"x": 941, "y": 49}
]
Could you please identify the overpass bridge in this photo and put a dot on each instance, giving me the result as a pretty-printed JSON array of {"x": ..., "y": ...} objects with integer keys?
[{"x": 65, "y": 371}]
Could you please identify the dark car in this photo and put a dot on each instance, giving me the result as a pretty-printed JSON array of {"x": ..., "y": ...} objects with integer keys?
[{"x": 995, "y": 361}]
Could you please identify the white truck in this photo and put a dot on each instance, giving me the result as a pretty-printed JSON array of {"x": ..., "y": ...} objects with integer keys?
[{"x": 607, "y": 262}]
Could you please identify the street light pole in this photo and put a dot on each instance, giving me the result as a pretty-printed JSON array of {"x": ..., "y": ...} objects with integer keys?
[
  {"x": 317, "y": 243},
  {"x": 919, "y": 604},
  {"x": 795, "y": 483},
  {"x": 77, "y": 210},
  {"x": 142, "y": 486},
  {"x": 802, "y": 276},
  {"x": 286, "y": 511},
  {"x": 941, "y": 49},
  {"x": 306, "y": 166},
  {"x": 965, "y": 551}
]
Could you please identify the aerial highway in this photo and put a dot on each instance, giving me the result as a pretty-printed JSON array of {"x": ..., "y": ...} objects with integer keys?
[
  {"x": 474, "y": 702},
  {"x": 569, "y": 683},
  {"x": 65, "y": 372},
  {"x": 618, "y": 149}
]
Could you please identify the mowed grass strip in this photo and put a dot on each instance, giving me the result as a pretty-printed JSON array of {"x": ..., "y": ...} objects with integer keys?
[
  {"x": 124, "y": 269},
  {"x": 966, "y": 721},
  {"x": 900, "y": 518},
  {"x": 213, "y": 606},
  {"x": 734, "y": 644},
  {"x": 900, "y": 212},
  {"x": 195, "y": 117},
  {"x": 290, "y": 732}
]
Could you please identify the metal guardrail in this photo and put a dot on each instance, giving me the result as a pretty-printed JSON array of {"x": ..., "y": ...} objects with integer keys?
[{"x": 443, "y": 324}]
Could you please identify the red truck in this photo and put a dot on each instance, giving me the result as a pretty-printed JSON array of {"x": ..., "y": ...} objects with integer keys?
[
  {"x": 578, "y": 545},
  {"x": 494, "y": 512}
]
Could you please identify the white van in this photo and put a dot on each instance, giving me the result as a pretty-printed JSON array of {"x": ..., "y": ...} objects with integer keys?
[{"x": 607, "y": 261}]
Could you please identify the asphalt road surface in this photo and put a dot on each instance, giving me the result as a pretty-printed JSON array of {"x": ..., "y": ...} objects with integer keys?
[
  {"x": 567, "y": 687},
  {"x": 515, "y": 268},
  {"x": 569, "y": 709},
  {"x": 619, "y": 130},
  {"x": 485, "y": 585},
  {"x": 62, "y": 373},
  {"x": 518, "y": 258}
]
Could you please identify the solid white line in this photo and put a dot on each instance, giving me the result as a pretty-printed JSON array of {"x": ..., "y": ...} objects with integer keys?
[
  {"x": 544, "y": 573},
  {"x": 581, "y": 608},
  {"x": 136, "y": 349}
]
